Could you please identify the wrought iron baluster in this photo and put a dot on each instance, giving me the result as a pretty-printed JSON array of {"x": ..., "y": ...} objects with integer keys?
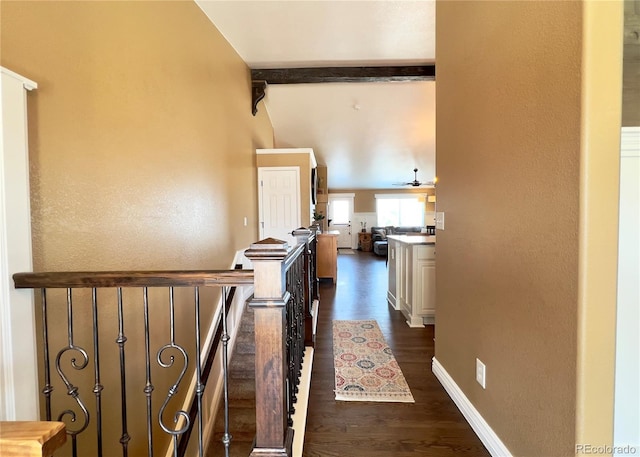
[
  {"x": 148, "y": 388},
  {"x": 72, "y": 390},
  {"x": 295, "y": 331},
  {"x": 121, "y": 340},
  {"x": 226, "y": 437},
  {"x": 97, "y": 387},
  {"x": 298, "y": 319},
  {"x": 289, "y": 347},
  {"x": 48, "y": 388},
  {"x": 199, "y": 385},
  {"x": 174, "y": 388},
  {"x": 300, "y": 315}
]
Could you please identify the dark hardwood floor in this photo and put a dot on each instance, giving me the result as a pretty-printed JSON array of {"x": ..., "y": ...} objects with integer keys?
[{"x": 431, "y": 426}]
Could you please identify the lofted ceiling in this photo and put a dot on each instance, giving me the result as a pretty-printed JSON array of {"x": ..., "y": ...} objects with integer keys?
[{"x": 369, "y": 135}]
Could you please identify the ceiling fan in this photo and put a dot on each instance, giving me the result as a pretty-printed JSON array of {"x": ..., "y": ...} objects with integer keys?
[{"x": 415, "y": 182}]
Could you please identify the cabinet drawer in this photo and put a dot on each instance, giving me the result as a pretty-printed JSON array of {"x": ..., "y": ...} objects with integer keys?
[{"x": 425, "y": 252}]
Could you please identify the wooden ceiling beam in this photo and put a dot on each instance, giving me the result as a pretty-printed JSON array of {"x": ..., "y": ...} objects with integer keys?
[
  {"x": 261, "y": 78},
  {"x": 345, "y": 74}
]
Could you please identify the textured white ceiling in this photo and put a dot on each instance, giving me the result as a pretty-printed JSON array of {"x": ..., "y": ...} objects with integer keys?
[{"x": 369, "y": 135}]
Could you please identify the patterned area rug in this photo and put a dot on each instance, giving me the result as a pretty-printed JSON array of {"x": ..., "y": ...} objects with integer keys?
[
  {"x": 366, "y": 369},
  {"x": 346, "y": 251}
]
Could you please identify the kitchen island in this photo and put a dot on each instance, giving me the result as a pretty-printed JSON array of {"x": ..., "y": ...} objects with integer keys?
[{"x": 412, "y": 277}]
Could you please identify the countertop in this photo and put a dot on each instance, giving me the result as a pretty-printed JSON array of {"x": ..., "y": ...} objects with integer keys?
[
  {"x": 413, "y": 239},
  {"x": 331, "y": 232}
]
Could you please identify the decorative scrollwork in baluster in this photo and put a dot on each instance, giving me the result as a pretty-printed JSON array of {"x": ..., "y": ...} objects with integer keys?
[
  {"x": 74, "y": 393},
  {"x": 173, "y": 389},
  {"x": 72, "y": 390},
  {"x": 175, "y": 433}
]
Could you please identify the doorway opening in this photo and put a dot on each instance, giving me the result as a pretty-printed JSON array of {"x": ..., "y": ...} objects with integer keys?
[{"x": 340, "y": 217}]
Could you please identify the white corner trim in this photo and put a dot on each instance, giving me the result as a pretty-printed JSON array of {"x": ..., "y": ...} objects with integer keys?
[
  {"x": 26, "y": 82},
  {"x": 488, "y": 437},
  {"x": 630, "y": 142},
  {"x": 19, "y": 392}
]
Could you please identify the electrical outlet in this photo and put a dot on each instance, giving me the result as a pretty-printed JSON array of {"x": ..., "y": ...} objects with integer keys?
[{"x": 481, "y": 373}]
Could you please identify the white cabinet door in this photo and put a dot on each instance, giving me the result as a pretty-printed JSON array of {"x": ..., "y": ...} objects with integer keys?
[
  {"x": 392, "y": 266},
  {"x": 425, "y": 283},
  {"x": 426, "y": 289},
  {"x": 279, "y": 201}
]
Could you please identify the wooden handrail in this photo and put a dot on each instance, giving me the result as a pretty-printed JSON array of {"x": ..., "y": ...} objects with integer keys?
[
  {"x": 284, "y": 287},
  {"x": 292, "y": 256},
  {"x": 178, "y": 278},
  {"x": 31, "y": 439}
]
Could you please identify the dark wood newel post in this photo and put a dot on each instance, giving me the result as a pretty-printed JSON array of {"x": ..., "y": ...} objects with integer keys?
[{"x": 273, "y": 437}]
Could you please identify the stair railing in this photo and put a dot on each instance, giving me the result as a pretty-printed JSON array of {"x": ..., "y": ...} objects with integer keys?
[
  {"x": 282, "y": 311},
  {"x": 285, "y": 291},
  {"x": 78, "y": 357}
]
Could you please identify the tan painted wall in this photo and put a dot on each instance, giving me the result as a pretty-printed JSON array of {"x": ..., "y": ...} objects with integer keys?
[
  {"x": 294, "y": 160},
  {"x": 142, "y": 148},
  {"x": 365, "y": 200},
  {"x": 529, "y": 109},
  {"x": 509, "y": 150}
]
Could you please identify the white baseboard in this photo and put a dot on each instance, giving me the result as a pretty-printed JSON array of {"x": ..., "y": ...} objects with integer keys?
[
  {"x": 488, "y": 437},
  {"x": 314, "y": 313},
  {"x": 300, "y": 416}
]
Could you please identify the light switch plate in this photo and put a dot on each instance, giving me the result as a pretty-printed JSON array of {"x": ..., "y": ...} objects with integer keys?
[
  {"x": 440, "y": 220},
  {"x": 481, "y": 373}
]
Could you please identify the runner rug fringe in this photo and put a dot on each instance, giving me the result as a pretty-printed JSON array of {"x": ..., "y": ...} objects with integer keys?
[{"x": 366, "y": 369}]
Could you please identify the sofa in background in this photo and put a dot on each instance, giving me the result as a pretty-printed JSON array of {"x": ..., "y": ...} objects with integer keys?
[{"x": 379, "y": 236}]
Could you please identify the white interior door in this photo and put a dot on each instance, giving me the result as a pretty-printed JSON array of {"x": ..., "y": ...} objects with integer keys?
[
  {"x": 340, "y": 217},
  {"x": 279, "y": 202}
]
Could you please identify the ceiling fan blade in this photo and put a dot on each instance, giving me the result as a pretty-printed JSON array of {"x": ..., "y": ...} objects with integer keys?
[{"x": 415, "y": 182}]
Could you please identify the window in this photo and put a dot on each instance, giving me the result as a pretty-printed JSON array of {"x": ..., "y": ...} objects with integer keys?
[
  {"x": 400, "y": 210},
  {"x": 340, "y": 211}
]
